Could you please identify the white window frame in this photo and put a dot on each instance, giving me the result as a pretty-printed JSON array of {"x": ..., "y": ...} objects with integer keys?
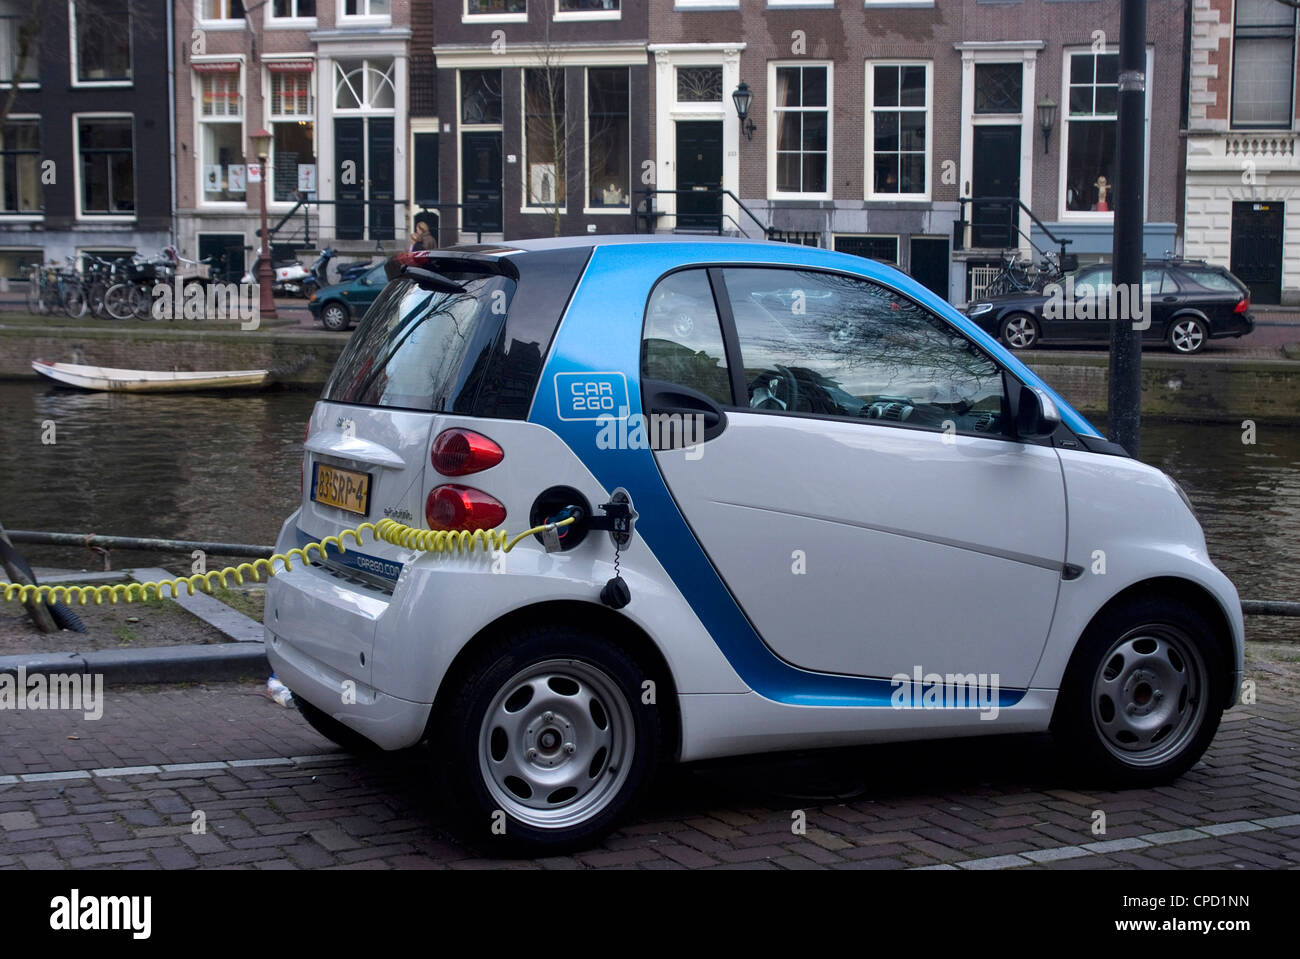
[
  {"x": 366, "y": 107},
  {"x": 685, "y": 5},
  {"x": 1063, "y": 132},
  {"x": 586, "y": 147},
  {"x": 789, "y": 4},
  {"x": 467, "y": 17},
  {"x": 897, "y": 3},
  {"x": 563, "y": 15},
  {"x": 73, "y": 63},
  {"x": 353, "y": 19},
  {"x": 5, "y": 216},
  {"x": 772, "y": 111},
  {"x": 268, "y": 78},
  {"x": 1232, "y": 78},
  {"x": 200, "y": 196},
  {"x": 76, "y": 167},
  {"x": 296, "y": 22},
  {"x": 523, "y": 144},
  {"x": 220, "y": 24},
  {"x": 869, "y": 180}
]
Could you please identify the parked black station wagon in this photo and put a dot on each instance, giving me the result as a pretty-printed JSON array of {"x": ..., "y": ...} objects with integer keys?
[{"x": 1190, "y": 302}]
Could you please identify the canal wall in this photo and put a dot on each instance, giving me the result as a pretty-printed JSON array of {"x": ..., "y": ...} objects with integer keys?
[{"x": 1213, "y": 388}]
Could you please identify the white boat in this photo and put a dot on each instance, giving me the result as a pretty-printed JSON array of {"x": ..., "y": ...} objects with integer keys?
[{"x": 105, "y": 378}]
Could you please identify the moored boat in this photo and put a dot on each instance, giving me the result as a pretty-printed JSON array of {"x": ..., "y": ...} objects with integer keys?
[{"x": 109, "y": 379}]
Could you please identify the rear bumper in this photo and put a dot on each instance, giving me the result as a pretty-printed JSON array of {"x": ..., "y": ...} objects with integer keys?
[{"x": 387, "y": 721}]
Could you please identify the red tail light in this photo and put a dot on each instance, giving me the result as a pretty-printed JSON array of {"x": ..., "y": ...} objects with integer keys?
[
  {"x": 1242, "y": 307},
  {"x": 452, "y": 507},
  {"x": 461, "y": 452}
]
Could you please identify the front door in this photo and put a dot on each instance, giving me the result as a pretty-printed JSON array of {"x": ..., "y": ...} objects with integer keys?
[
  {"x": 929, "y": 263},
  {"x": 699, "y": 173},
  {"x": 227, "y": 252},
  {"x": 480, "y": 172},
  {"x": 379, "y": 186},
  {"x": 857, "y": 502},
  {"x": 350, "y": 197},
  {"x": 1257, "y": 249},
  {"x": 996, "y": 174}
]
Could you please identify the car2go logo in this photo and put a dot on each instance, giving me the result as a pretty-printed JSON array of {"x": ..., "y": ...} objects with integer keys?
[{"x": 589, "y": 396}]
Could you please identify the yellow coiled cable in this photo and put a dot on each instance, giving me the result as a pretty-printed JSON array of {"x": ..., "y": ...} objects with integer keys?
[{"x": 388, "y": 530}]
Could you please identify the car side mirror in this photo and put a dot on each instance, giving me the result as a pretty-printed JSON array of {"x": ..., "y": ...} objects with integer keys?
[{"x": 1036, "y": 414}]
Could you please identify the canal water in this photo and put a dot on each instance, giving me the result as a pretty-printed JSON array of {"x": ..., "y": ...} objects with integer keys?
[{"x": 227, "y": 468}]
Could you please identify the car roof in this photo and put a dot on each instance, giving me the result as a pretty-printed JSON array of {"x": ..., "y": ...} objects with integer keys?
[{"x": 590, "y": 242}]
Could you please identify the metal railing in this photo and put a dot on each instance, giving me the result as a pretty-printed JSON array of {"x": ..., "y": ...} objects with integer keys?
[
  {"x": 1009, "y": 225},
  {"x": 299, "y": 234},
  {"x": 646, "y": 211}
]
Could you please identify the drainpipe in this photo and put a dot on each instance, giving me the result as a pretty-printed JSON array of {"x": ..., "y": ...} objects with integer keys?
[{"x": 171, "y": 120}]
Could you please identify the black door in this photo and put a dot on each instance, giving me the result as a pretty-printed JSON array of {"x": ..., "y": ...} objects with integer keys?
[
  {"x": 699, "y": 172},
  {"x": 930, "y": 263},
  {"x": 350, "y": 155},
  {"x": 227, "y": 252},
  {"x": 996, "y": 174},
  {"x": 481, "y": 181},
  {"x": 381, "y": 195},
  {"x": 1257, "y": 249}
]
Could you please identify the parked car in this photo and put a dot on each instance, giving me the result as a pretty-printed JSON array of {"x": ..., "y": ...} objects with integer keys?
[
  {"x": 769, "y": 497},
  {"x": 341, "y": 305},
  {"x": 1190, "y": 303}
]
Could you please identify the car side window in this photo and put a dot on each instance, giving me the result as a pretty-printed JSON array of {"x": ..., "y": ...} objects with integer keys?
[
  {"x": 682, "y": 340},
  {"x": 827, "y": 344},
  {"x": 1213, "y": 281},
  {"x": 1155, "y": 282}
]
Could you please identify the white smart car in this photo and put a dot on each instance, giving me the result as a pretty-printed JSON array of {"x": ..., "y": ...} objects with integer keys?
[{"x": 780, "y": 498}]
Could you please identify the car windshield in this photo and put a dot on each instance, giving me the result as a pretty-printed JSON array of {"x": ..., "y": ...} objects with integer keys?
[{"x": 418, "y": 349}]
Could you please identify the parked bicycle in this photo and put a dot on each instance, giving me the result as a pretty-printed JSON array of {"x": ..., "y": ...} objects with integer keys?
[
  {"x": 1021, "y": 276},
  {"x": 132, "y": 295},
  {"x": 52, "y": 288}
]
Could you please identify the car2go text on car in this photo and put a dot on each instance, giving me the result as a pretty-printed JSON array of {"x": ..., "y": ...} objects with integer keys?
[{"x": 877, "y": 488}]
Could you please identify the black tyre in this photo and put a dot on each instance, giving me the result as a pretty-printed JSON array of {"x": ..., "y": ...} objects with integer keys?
[
  {"x": 1019, "y": 331},
  {"x": 547, "y": 744},
  {"x": 1188, "y": 335},
  {"x": 335, "y": 316},
  {"x": 333, "y": 730},
  {"x": 1143, "y": 694}
]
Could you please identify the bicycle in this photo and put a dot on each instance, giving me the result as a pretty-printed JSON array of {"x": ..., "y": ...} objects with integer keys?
[
  {"x": 132, "y": 296},
  {"x": 51, "y": 288},
  {"x": 1023, "y": 276}
]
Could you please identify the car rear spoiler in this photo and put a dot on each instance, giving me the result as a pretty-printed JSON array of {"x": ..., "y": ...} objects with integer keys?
[{"x": 433, "y": 264}]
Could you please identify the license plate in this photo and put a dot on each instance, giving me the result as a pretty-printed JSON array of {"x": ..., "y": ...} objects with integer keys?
[{"x": 343, "y": 489}]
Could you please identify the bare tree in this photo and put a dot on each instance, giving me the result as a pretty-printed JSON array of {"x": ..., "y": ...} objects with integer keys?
[{"x": 545, "y": 109}]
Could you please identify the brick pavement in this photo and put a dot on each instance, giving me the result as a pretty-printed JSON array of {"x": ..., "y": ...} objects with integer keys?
[{"x": 1009, "y": 802}]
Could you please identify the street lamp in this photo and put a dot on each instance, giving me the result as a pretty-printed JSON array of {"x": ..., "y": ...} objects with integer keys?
[
  {"x": 742, "y": 98},
  {"x": 1046, "y": 118},
  {"x": 261, "y": 143}
]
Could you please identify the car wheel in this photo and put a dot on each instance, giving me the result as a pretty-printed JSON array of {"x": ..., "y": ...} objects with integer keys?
[
  {"x": 1020, "y": 331},
  {"x": 1144, "y": 693},
  {"x": 548, "y": 743},
  {"x": 333, "y": 730},
  {"x": 1188, "y": 335},
  {"x": 334, "y": 316}
]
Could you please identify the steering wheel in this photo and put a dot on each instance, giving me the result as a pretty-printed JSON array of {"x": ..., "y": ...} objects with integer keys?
[{"x": 775, "y": 389}]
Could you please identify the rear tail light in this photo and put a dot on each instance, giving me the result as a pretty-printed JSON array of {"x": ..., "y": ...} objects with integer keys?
[
  {"x": 451, "y": 507},
  {"x": 1242, "y": 307},
  {"x": 458, "y": 452}
]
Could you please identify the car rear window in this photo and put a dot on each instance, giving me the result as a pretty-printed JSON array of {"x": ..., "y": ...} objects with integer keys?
[
  {"x": 1214, "y": 280},
  {"x": 474, "y": 352}
]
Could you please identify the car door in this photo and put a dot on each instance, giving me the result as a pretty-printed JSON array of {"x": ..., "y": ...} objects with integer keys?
[
  {"x": 368, "y": 286},
  {"x": 863, "y": 505},
  {"x": 1161, "y": 294},
  {"x": 1087, "y": 318}
]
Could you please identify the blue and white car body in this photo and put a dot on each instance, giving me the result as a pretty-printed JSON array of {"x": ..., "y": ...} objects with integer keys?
[{"x": 784, "y": 572}]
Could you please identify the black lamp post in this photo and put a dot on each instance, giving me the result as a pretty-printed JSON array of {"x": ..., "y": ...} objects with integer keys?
[
  {"x": 742, "y": 98},
  {"x": 1046, "y": 119},
  {"x": 261, "y": 142}
]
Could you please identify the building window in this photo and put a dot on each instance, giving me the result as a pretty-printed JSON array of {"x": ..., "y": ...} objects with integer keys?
[
  {"x": 882, "y": 248},
  {"x": 221, "y": 141},
  {"x": 104, "y": 145},
  {"x": 496, "y": 8},
  {"x": 221, "y": 9},
  {"x": 103, "y": 41},
  {"x": 1090, "y": 131},
  {"x": 480, "y": 96},
  {"x": 293, "y": 145},
  {"x": 367, "y": 8},
  {"x": 998, "y": 87},
  {"x": 802, "y": 122},
  {"x": 13, "y": 18},
  {"x": 699, "y": 84},
  {"x": 1263, "y": 58},
  {"x": 293, "y": 9},
  {"x": 20, "y": 167},
  {"x": 593, "y": 8},
  {"x": 544, "y": 132},
  {"x": 363, "y": 85},
  {"x": 900, "y": 119},
  {"x": 608, "y": 129}
]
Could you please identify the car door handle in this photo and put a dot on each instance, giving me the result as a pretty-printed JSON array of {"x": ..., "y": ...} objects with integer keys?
[
  {"x": 1170, "y": 299},
  {"x": 671, "y": 399}
]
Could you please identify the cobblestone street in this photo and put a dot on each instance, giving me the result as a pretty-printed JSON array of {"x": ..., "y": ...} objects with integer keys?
[{"x": 122, "y": 792}]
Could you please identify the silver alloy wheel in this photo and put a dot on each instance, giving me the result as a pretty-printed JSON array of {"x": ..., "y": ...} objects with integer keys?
[
  {"x": 1148, "y": 695},
  {"x": 556, "y": 743},
  {"x": 334, "y": 317},
  {"x": 1019, "y": 332},
  {"x": 1187, "y": 336}
]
